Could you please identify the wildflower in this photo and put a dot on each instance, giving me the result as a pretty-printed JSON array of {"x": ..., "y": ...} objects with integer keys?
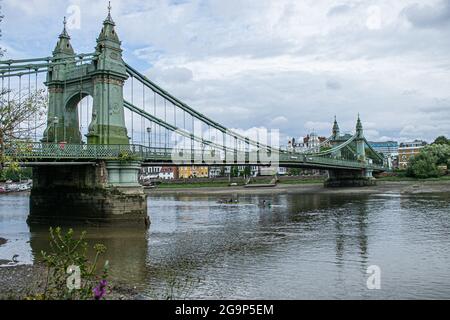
[{"x": 100, "y": 290}]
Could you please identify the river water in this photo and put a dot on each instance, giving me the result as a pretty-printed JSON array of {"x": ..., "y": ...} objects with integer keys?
[{"x": 306, "y": 246}]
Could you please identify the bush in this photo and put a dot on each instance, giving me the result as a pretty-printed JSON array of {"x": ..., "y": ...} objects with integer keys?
[
  {"x": 16, "y": 174},
  {"x": 425, "y": 165},
  {"x": 65, "y": 263}
]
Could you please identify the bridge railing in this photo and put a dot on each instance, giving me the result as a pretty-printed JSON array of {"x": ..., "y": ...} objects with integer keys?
[
  {"x": 32, "y": 151},
  {"x": 40, "y": 150}
]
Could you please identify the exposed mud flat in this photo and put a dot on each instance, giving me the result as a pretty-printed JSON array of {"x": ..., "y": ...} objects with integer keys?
[{"x": 402, "y": 187}]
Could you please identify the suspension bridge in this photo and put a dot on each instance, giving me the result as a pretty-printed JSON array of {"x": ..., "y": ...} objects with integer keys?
[{"x": 104, "y": 120}]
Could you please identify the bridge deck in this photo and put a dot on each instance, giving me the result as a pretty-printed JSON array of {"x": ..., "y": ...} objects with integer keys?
[{"x": 33, "y": 152}]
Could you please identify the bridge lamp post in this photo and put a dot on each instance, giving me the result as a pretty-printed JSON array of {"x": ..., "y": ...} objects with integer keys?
[
  {"x": 149, "y": 132},
  {"x": 55, "y": 123}
]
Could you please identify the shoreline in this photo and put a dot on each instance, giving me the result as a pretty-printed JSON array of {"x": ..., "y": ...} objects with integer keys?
[
  {"x": 18, "y": 282},
  {"x": 400, "y": 187}
]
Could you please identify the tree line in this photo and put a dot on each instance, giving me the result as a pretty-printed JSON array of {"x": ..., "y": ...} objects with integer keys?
[{"x": 433, "y": 160}]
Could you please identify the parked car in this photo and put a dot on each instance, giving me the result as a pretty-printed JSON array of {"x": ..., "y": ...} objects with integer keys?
[{"x": 2, "y": 190}]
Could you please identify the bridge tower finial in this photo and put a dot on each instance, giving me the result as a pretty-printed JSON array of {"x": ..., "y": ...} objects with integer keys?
[
  {"x": 64, "y": 33},
  {"x": 360, "y": 141},
  {"x": 109, "y": 18},
  {"x": 359, "y": 127},
  {"x": 108, "y": 34},
  {"x": 336, "y": 130},
  {"x": 64, "y": 47}
]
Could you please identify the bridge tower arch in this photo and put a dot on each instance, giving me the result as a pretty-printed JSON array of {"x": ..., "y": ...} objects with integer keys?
[
  {"x": 100, "y": 191},
  {"x": 70, "y": 80}
]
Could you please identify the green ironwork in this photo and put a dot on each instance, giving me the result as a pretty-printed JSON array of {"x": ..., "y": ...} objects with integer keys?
[
  {"x": 70, "y": 78},
  {"x": 36, "y": 151}
]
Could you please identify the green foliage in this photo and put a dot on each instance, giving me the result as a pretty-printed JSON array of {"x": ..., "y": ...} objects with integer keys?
[
  {"x": 425, "y": 164},
  {"x": 247, "y": 171},
  {"x": 234, "y": 171},
  {"x": 126, "y": 156},
  {"x": 294, "y": 171},
  {"x": 15, "y": 173},
  {"x": 441, "y": 140},
  {"x": 66, "y": 251}
]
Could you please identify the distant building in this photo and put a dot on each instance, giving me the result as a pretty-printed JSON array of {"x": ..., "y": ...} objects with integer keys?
[
  {"x": 386, "y": 148},
  {"x": 311, "y": 142},
  {"x": 168, "y": 173},
  {"x": 215, "y": 172},
  {"x": 389, "y": 149},
  {"x": 193, "y": 172},
  {"x": 150, "y": 171},
  {"x": 271, "y": 171},
  {"x": 254, "y": 170},
  {"x": 407, "y": 150}
]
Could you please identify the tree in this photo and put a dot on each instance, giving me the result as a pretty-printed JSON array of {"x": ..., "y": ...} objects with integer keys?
[
  {"x": 441, "y": 140},
  {"x": 426, "y": 163},
  {"x": 20, "y": 114},
  {"x": 423, "y": 166},
  {"x": 234, "y": 171},
  {"x": 247, "y": 171}
]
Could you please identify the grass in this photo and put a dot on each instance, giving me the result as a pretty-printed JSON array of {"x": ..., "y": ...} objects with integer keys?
[
  {"x": 300, "y": 181},
  {"x": 223, "y": 184},
  {"x": 403, "y": 178},
  {"x": 194, "y": 185}
]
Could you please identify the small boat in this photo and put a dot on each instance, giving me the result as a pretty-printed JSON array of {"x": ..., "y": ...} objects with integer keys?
[{"x": 227, "y": 201}]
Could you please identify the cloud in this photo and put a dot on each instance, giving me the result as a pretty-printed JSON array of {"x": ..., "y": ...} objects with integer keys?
[
  {"x": 285, "y": 63},
  {"x": 279, "y": 121},
  {"x": 172, "y": 75},
  {"x": 429, "y": 16},
  {"x": 333, "y": 85},
  {"x": 339, "y": 10}
]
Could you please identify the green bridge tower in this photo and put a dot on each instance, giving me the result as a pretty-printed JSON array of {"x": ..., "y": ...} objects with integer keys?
[
  {"x": 103, "y": 79},
  {"x": 106, "y": 191},
  {"x": 350, "y": 178}
]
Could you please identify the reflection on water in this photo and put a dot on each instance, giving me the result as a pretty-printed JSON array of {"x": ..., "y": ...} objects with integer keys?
[
  {"x": 126, "y": 249},
  {"x": 304, "y": 246}
]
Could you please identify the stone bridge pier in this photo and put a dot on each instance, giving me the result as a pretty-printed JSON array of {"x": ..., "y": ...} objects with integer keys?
[
  {"x": 106, "y": 192},
  {"x": 103, "y": 193},
  {"x": 350, "y": 178}
]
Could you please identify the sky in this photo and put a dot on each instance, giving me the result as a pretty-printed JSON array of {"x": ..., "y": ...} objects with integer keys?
[{"x": 290, "y": 65}]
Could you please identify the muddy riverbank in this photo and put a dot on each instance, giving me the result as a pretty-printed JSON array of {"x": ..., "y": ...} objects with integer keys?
[
  {"x": 402, "y": 187},
  {"x": 25, "y": 281}
]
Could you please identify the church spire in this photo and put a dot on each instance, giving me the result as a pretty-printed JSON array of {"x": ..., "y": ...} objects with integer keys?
[{"x": 63, "y": 47}]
